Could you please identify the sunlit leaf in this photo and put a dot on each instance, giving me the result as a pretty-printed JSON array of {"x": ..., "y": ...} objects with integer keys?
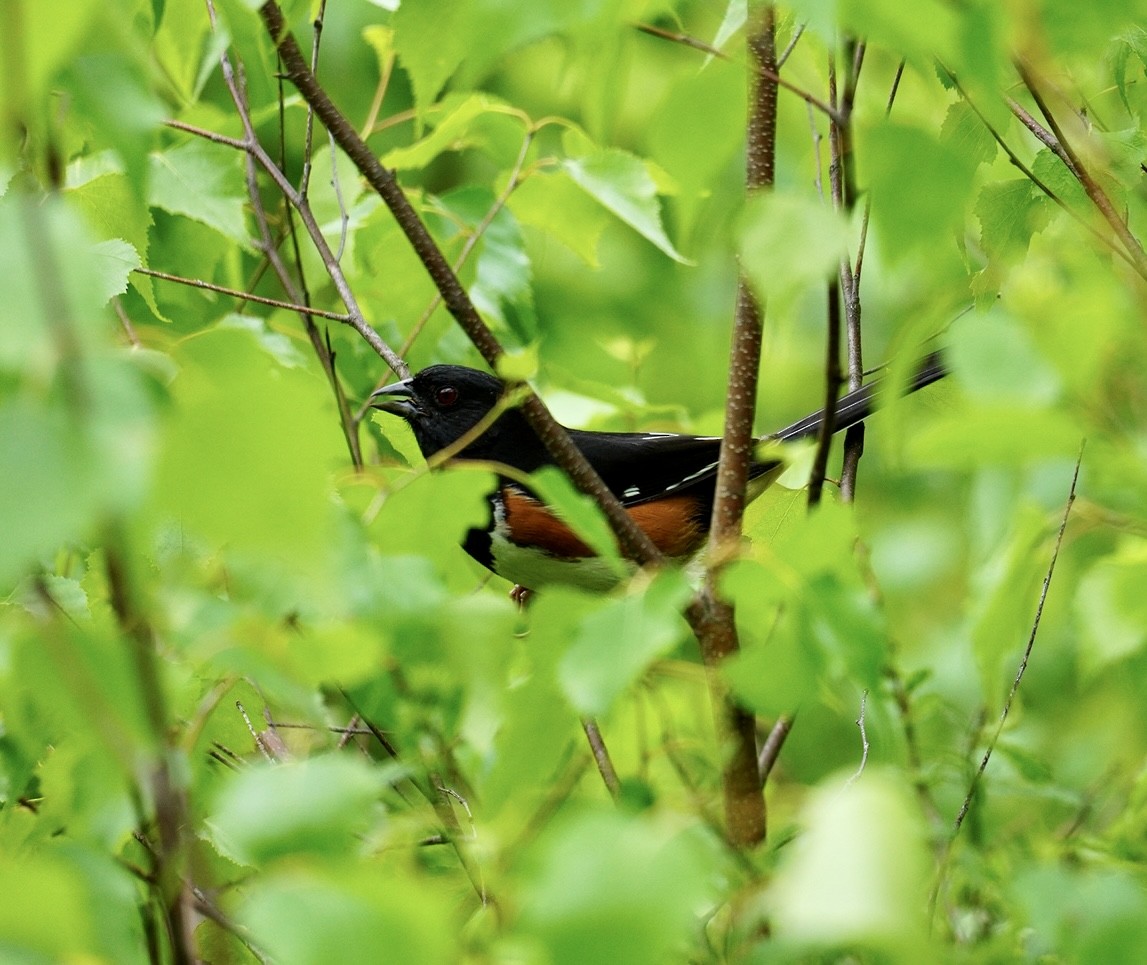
[{"x": 622, "y": 184}]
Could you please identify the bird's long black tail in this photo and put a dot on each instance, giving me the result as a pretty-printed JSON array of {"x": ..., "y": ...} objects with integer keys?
[{"x": 859, "y": 405}]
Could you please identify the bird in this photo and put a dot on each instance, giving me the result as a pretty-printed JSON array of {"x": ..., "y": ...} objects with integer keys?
[{"x": 666, "y": 481}]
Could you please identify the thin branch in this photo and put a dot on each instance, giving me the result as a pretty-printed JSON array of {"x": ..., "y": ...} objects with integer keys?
[
  {"x": 975, "y": 783},
  {"x": 1042, "y": 134},
  {"x": 634, "y": 542},
  {"x": 1094, "y": 191},
  {"x": 601, "y": 756},
  {"x": 680, "y": 38},
  {"x": 167, "y": 794},
  {"x": 791, "y": 46},
  {"x": 771, "y": 748},
  {"x": 1028, "y": 173},
  {"x": 840, "y": 140},
  {"x": 860, "y": 722},
  {"x": 245, "y": 296}
]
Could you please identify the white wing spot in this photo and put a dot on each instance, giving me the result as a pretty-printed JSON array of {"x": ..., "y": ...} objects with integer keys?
[{"x": 631, "y": 493}]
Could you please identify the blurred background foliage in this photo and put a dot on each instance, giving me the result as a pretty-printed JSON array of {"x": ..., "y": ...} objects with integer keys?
[{"x": 207, "y": 618}]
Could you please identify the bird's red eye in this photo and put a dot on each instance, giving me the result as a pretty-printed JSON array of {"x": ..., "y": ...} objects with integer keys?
[{"x": 446, "y": 396}]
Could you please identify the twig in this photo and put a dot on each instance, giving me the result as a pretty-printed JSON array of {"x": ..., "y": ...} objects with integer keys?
[
  {"x": 1028, "y": 173},
  {"x": 245, "y": 296},
  {"x": 1094, "y": 191},
  {"x": 791, "y": 46},
  {"x": 680, "y": 38},
  {"x": 601, "y": 756},
  {"x": 771, "y": 748},
  {"x": 863, "y": 739},
  {"x": 975, "y": 783}
]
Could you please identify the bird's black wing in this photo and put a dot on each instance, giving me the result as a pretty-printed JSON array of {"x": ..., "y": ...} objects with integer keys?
[{"x": 642, "y": 466}]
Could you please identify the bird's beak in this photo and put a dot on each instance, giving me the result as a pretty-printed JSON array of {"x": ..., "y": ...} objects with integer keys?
[{"x": 397, "y": 399}]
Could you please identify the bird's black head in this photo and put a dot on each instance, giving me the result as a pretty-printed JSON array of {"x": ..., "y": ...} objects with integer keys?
[{"x": 441, "y": 403}]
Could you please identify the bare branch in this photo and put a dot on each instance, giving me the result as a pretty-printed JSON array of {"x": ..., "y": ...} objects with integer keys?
[
  {"x": 244, "y": 296},
  {"x": 1094, "y": 191},
  {"x": 601, "y": 756},
  {"x": 771, "y": 748},
  {"x": 1026, "y": 657}
]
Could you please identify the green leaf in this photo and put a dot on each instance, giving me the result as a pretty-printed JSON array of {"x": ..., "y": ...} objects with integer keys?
[
  {"x": 790, "y": 242},
  {"x": 999, "y": 434},
  {"x": 553, "y": 203},
  {"x": 919, "y": 187},
  {"x": 578, "y": 511},
  {"x": 696, "y": 131},
  {"x": 622, "y": 184},
  {"x": 46, "y": 500},
  {"x": 433, "y": 37},
  {"x": 1006, "y": 590},
  {"x": 113, "y": 210},
  {"x": 455, "y": 129},
  {"x": 1010, "y": 212},
  {"x": 113, "y": 95},
  {"x": 859, "y": 871},
  {"x": 1112, "y": 606},
  {"x": 615, "y": 645},
  {"x": 502, "y": 289},
  {"x": 271, "y": 811},
  {"x": 41, "y": 39},
  {"x": 232, "y": 468},
  {"x": 963, "y": 131},
  {"x": 604, "y": 888},
  {"x": 202, "y": 182},
  {"x": 306, "y": 916}
]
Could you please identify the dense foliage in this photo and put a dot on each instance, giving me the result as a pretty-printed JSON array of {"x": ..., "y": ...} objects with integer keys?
[{"x": 255, "y": 702}]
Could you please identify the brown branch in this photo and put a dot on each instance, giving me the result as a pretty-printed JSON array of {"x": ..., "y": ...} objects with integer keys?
[
  {"x": 1134, "y": 250},
  {"x": 601, "y": 756},
  {"x": 167, "y": 794},
  {"x": 1090, "y": 185},
  {"x": 711, "y": 617},
  {"x": 680, "y": 38},
  {"x": 242, "y": 295},
  {"x": 634, "y": 542},
  {"x": 269, "y": 247},
  {"x": 1028, "y": 173}
]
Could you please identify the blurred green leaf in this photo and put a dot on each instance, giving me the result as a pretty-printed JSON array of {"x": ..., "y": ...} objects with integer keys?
[
  {"x": 580, "y": 512},
  {"x": 790, "y": 243},
  {"x": 302, "y": 916},
  {"x": 919, "y": 187},
  {"x": 603, "y": 888},
  {"x": 232, "y": 469},
  {"x": 320, "y": 806},
  {"x": 857, "y": 872},
  {"x": 1112, "y": 606},
  {"x": 615, "y": 644}
]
